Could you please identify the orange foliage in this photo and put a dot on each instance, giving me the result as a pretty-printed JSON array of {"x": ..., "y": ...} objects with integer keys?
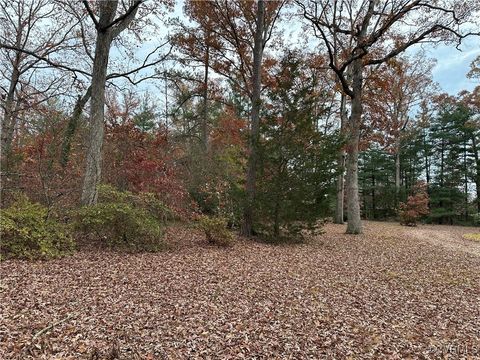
[{"x": 416, "y": 205}]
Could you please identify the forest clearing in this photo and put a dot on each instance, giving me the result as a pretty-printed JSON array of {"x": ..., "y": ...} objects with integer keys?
[{"x": 387, "y": 293}]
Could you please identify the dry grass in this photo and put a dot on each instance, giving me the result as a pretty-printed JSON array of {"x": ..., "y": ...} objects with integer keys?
[{"x": 473, "y": 237}]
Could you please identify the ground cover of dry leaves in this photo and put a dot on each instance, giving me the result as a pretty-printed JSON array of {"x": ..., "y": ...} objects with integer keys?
[{"x": 393, "y": 292}]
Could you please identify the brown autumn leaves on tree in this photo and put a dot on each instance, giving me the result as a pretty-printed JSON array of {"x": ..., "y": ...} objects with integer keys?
[
  {"x": 392, "y": 91},
  {"x": 416, "y": 205},
  {"x": 86, "y": 61},
  {"x": 232, "y": 40}
]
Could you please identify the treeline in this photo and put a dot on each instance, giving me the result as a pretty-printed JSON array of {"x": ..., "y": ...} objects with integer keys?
[{"x": 440, "y": 147}]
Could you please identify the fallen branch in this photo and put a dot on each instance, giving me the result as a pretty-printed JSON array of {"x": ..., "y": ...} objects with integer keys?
[{"x": 44, "y": 330}]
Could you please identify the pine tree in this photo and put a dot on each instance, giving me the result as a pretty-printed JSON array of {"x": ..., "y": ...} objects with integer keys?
[
  {"x": 296, "y": 179},
  {"x": 377, "y": 181},
  {"x": 448, "y": 139}
]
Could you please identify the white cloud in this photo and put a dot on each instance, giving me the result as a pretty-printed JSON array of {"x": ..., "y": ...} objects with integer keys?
[{"x": 453, "y": 65}]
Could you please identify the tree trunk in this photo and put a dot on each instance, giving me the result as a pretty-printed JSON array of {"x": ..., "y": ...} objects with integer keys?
[
  {"x": 339, "y": 218},
  {"x": 465, "y": 180},
  {"x": 374, "y": 205},
  {"x": 205, "y": 99},
  {"x": 9, "y": 116},
  {"x": 397, "y": 172},
  {"x": 72, "y": 127},
  {"x": 427, "y": 164},
  {"x": 397, "y": 169},
  {"x": 354, "y": 225},
  {"x": 97, "y": 126},
  {"x": 477, "y": 170},
  {"x": 442, "y": 158},
  {"x": 276, "y": 218},
  {"x": 247, "y": 228}
]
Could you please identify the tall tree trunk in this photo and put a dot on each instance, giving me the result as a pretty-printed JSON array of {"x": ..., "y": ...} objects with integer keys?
[
  {"x": 341, "y": 164},
  {"x": 397, "y": 168},
  {"x": 465, "y": 173},
  {"x": 107, "y": 30},
  {"x": 477, "y": 170},
  {"x": 442, "y": 160},
  {"x": 364, "y": 198},
  {"x": 165, "y": 80},
  {"x": 247, "y": 227},
  {"x": 72, "y": 127},
  {"x": 9, "y": 116},
  {"x": 374, "y": 204},
  {"x": 276, "y": 218},
  {"x": 8, "y": 123},
  {"x": 397, "y": 172},
  {"x": 354, "y": 225},
  {"x": 427, "y": 164},
  {"x": 97, "y": 126},
  {"x": 205, "y": 99},
  {"x": 339, "y": 218}
]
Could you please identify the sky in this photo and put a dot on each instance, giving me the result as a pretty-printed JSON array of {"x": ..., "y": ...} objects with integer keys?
[
  {"x": 450, "y": 71},
  {"x": 453, "y": 65}
]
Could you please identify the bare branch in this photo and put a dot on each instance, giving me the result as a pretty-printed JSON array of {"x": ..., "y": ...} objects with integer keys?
[{"x": 91, "y": 14}]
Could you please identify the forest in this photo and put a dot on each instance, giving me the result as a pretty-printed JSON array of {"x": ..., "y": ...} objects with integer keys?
[{"x": 227, "y": 179}]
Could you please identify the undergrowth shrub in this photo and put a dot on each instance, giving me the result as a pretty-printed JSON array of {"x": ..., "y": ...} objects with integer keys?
[
  {"x": 290, "y": 233},
  {"x": 124, "y": 220},
  {"x": 27, "y": 232},
  {"x": 216, "y": 230}
]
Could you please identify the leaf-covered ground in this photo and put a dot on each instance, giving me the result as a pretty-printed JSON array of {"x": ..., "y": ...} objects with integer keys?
[{"x": 390, "y": 293}]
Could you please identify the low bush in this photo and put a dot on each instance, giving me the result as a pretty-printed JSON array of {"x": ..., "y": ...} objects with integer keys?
[
  {"x": 416, "y": 205},
  {"x": 27, "y": 232},
  {"x": 124, "y": 220},
  {"x": 216, "y": 230},
  {"x": 291, "y": 233},
  {"x": 144, "y": 200}
]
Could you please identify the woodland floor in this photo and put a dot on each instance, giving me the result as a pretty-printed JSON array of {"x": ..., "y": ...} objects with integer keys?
[{"x": 394, "y": 292}]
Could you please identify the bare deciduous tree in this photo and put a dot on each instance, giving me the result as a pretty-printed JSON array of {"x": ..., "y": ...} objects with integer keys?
[{"x": 29, "y": 31}]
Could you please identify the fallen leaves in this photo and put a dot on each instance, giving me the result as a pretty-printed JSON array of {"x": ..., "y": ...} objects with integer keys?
[{"x": 382, "y": 294}]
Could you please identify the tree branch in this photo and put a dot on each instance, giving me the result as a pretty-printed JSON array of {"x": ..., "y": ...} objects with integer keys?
[{"x": 91, "y": 14}]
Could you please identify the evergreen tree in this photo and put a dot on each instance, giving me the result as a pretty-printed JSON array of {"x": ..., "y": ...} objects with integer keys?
[
  {"x": 448, "y": 137},
  {"x": 296, "y": 176},
  {"x": 377, "y": 181}
]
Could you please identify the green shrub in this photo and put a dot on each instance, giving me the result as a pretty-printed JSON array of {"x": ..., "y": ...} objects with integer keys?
[
  {"x": 124, "y": 220},
  {"x": 216, "y": 231},
  {"x": 27, "y": 232},
  {"x": 147, "y": 201}
]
